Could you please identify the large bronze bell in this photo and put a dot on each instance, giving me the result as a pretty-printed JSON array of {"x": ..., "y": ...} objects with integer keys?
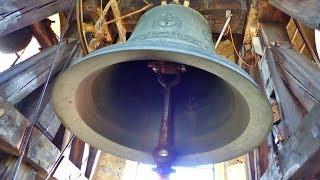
[
  {"x": 112, "y": 100},
  {"x": 15, "y": 41}
]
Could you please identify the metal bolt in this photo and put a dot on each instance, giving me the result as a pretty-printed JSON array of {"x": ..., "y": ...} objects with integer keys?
[
  {"x": 163, "y": 152},
  {"x": 1, "y": 112}
]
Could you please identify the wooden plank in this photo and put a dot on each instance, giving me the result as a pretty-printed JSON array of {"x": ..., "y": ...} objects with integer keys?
[
  {"x": 274, "y": 33},
  {"x": 303, "y": 77},
  {"x": 12, "y": 127},
  {"x": 16, "y": 14},
  {"x": 41, "y": 152},
  {"x": 29, "y": 76},
  {"x": 309, "y": 41},
  {"x": 288, "y": 110},
  {"x": 94, "y": 155},
  {"x": 49, "y": 121},
  {"x": 76, "y": 153},
  {"x": 268, "y": 13},
  {"x": 306, "y": 11},
  {"x": 268, "y": 87},
  {"x": 263, "y": 154},
  {"x": 299, "y": 157},
  {"x": 26, "y": 172},
  {"x": 42, "y": 31}
]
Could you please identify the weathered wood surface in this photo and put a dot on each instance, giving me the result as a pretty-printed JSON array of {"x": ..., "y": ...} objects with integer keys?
[
  {"x": 289, "y": 111},
  {"x": 26, "y": 171},
  {"x": 306, "y": 11},
  {"x": 42, "y": 31},
  {"x": 41, "y": 152},
  {"x": 274, "y": 33},
  {"x": 76, "y": 153},
  {"x": 299, "y": 157},
  {"x": 49, "y": 121},
  {"x": 213, "y": 11},
  {"x": 302, "y": 76},
  {"x": 19, "y": 81},
  {"x": 93, "y": 157},
  {"x": 308, "y": 34},
  {"x": 12, "y": 127},
  {"x": 268, "y": 13},
  {"x": 109, "y": 167},
  {"x": 16, "y": 14}
]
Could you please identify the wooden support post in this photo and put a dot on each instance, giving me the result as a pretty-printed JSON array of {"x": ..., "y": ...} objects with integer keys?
[
  {"x": 42, "y": 31},
  {"x": 41, "y": 153},
  {"x": 12, "y": 127},
  {"x": 16, "y": 14},
  {"x": 301, "y": 75},
  {"x": 26, "y": 171},
  {"x": 290, "y": 114},
  {"x": 309, "y": 42},
  {"x": 299, "y": 157},
  {"x": 306, "y": 11},
  {"x": 263, "y": 156},
  {"x": 76, "y": 153},
  {"x": 92, "y": 162},
  {"x": 288, "y": 109}
]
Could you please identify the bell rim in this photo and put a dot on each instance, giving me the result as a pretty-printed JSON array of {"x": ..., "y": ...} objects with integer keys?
[{"x": 65, "y": 89}]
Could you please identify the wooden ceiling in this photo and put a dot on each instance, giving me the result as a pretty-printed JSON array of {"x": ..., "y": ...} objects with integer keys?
[{"x": 213, "y": 10}]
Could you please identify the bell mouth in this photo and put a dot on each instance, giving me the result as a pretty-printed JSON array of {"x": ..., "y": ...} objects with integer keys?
[
  {"x": 81, "y": 81},
  {"x": 124, "y": 103}
]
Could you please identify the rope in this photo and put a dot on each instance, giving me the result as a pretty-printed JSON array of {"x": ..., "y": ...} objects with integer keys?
[
  {"x": 235, "y": 49},
  {"x": 130, "y": 14}
]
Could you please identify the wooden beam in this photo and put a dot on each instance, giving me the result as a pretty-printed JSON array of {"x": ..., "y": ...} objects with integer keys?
[
  {"x": 288, "y": 110},
  {"x": 273, "y": 33},
  {"x": 299, "y": 157},
  {"x": 263, "y": 154},
  {"x": 12, "y": 127},
  {"x": 41, "y": 153},
  {"x": 268, "y": 13},
  {"x": 49, "y": 121},
  {"x": 306, "y": 11},
  {"x": 19, "y": 81},
  {"x": 26, "y": 171},
  {"x": 76, "y": 153},
  {"x": 311, "y": 46},
  {"x": 290, "y": 114},
  {"x": 302, "y": 76},
  {"x": 16, "y": 14},
  {"x": 94, "y": 155},
  {"x": 42, "y": 31}
]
